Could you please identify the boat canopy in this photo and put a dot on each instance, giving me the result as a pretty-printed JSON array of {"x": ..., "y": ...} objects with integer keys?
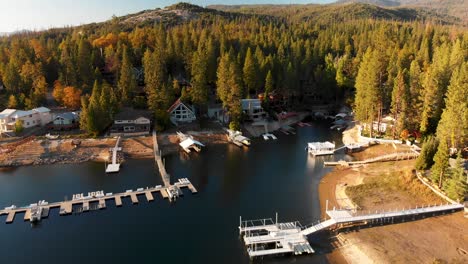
[
  {"x": 321, "y": 145},
  {"x": 189, "y": 142}
]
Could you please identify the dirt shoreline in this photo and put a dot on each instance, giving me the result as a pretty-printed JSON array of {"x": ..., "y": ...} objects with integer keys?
[
  {"x": 411, "y": 242},
  {"x": 62, "y": 151}
]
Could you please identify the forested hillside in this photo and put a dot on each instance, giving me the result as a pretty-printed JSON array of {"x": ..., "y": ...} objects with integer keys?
[{"x": 415, "y": 71}]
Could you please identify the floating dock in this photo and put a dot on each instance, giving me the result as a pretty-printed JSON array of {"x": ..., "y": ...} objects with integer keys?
[{"x": 66, "y": 207}]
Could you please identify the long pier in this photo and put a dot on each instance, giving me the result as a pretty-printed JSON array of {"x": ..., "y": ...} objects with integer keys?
[
  {"x": 157, "y": 157},
  {"x": 66, "y": 207},
  {"x": 267, "y": 237},
  {"x": 387, "y": 157}
]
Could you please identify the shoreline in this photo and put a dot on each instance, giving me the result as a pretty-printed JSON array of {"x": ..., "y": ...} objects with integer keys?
[
  {"x": 408, "y": 242},
  {"x": 61, "y": 151}
]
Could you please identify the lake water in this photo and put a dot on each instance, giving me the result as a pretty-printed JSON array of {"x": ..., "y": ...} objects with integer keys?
[{"x": 270, "y": 176}]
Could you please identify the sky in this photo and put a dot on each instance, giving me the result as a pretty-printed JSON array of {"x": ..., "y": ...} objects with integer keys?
[{"x": 42, "y": 14}]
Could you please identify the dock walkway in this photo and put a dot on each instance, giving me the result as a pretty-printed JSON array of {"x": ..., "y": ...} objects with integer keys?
[
  {"x": 157, "y": 157},
  {"x": 387, "y": 157},
  {"x": 66, "y": 207},
  {"x": 291, "y": 237}
]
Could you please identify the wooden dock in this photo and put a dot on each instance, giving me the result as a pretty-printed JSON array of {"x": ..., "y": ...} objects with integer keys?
[
  {"x": 102, "y": 204},
  {"x": 134, "y": 198},
  {"x": 27, "y": 215},
  {"x": 149, "y": 196},
  {"x": 157, "y": 157},
  {"x": 66, "y": 207},
  {"x": 10, "y": 217},
  {"x": 388, "y": 157}
]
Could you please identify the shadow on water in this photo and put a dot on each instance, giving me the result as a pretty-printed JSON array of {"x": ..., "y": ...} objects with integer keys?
[{"x": 270, "y": 176}]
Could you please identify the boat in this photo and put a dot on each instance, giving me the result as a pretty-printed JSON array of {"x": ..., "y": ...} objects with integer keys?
[
  {"x": 237, "y": 138},
  {"x": 49, "y": 136},
  {"x": 188, "y": 143},
  {"x": 12, "y": 207},
  {"x": 36, "y": 213},
  {"x": 321, "y": 148}
]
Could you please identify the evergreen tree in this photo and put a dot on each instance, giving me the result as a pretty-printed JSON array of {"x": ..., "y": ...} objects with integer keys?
[
  {"x": 453, "y": 126},
  {"x": 250, "y": 73},
  {"x": 457, "y": 184},
  {"x": 426, "y": 158},
  {"x": 84, "y": 64},
  {"x": 127, "y": 82},
  {"x": 399, "y": 103},
  {"x": 367, "y": 99},
  {"x": 439, "y": 169},
  {"x": 269, "y": 85},
  {"x": 199, "y": 81}
]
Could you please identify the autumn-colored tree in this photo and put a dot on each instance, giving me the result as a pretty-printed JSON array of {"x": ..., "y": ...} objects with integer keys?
[
  {"x": 58, "y": 92},
  {"x": 12, "y": 102},
  {"x": 72, "y": 97}
]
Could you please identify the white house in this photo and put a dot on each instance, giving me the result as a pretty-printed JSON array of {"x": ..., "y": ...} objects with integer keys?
[
  {"x": 40, "y": 116},
  {"x": 181, "y": 113},
  {"x": 253, "y": 109}
]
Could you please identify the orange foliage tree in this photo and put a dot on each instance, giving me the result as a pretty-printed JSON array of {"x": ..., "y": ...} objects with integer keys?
[
  {"x": 72, "y": 97},
  {"x": 57, "y": 93}
]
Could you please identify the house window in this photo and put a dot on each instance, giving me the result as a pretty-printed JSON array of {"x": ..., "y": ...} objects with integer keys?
[
  {"x": 27, "y": 123},
  {"x": 129, "y": 128}
]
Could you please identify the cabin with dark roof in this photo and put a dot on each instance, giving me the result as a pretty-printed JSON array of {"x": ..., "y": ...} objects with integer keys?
[{"x": 131, "y": 122}]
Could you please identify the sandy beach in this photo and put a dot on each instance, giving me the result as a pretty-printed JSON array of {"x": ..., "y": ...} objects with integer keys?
[{"x": 390, "y": 186}]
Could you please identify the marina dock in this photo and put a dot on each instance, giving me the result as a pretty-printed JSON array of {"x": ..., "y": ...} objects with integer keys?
[
  {"x": 264, "y": 237},
  {"x": 66, "y": 207}
]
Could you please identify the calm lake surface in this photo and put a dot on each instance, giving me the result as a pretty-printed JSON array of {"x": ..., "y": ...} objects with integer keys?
[{"x": 270, "y": 176}]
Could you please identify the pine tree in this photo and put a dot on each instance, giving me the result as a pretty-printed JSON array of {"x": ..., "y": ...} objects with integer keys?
[
  {"x": 453, "y": 126},
  {"x": 250, "y": 73},
  {"x": 84, "y": 64},
  {"x": 127, "y": 82},
  {"x": 367, "y": 99},
  {"x": 399, "y": 103},
  {"x": 199, "y": 81},
  {"x": 269, "y": 85},
  {"x": 440, "y": 166},
  {"x": 457, "y": 184}
]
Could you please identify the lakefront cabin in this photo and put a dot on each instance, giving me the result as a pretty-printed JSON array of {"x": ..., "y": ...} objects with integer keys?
[
  {"x": 131, "y": 122},
  {"x": 181, "y": 113},
  {"x": 65, "y": 121}
]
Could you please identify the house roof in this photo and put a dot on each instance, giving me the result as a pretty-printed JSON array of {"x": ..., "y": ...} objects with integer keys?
[
  {"x": 68, "y": 115},
  {"x": 132, "y": 114},
  {"x": 41, "y": 109},
  {"x": 176, "y": 104}
]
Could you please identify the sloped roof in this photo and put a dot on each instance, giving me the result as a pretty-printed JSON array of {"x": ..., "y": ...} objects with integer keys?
[
  {"x": 132, "y": 114},
  {"x": 68, "y": 115},
  {"x": 176, "y": 104},
  {"x": 41, "y": 109}
]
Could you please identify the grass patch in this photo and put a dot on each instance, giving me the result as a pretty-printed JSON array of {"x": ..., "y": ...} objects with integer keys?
[{"x": 392, "y": 186}]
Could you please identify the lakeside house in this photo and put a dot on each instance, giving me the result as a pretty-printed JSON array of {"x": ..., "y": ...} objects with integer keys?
[
  {"x": 131, "y": 122},
  {"x": 65, "y": 121},
  {"x": 253, "y": 109},
  {"x": 40, "y": 116},
  {"x": 181, "y": 113}
]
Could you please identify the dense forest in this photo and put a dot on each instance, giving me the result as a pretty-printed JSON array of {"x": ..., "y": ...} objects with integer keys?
[{"x": 415, "y": 71}]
